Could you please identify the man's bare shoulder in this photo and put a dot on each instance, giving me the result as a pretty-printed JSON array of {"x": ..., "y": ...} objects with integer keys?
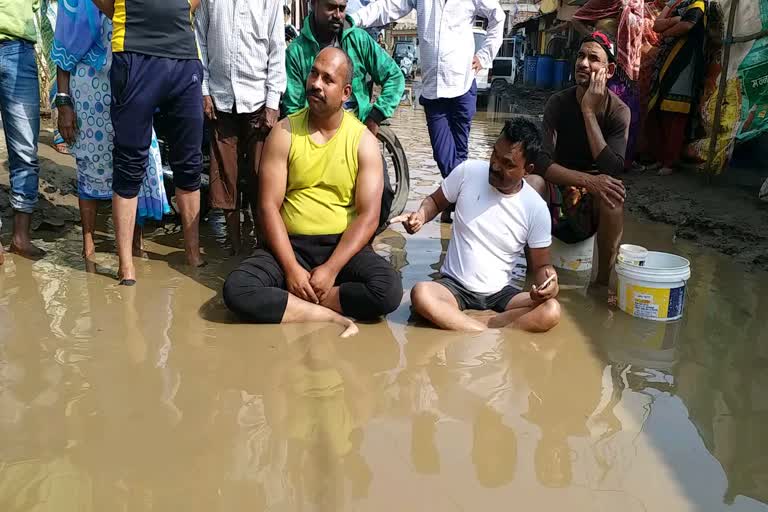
[
  {"x": 368, "y": 142},
  {"x": 285, "y": 124},
  {"x": 279, "y": 138}
]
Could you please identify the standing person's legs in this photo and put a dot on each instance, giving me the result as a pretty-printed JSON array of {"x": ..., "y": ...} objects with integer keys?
[
  {"x": 252, "y": 140},
  {"x": 225, "y": 159},
  {"x": 20, "y": 109},
  {"x": 184, "y": 104},
  {"x": 137, "y": 84},
  {"x": 88, "y": 208},
  {"x": 438, "y": 114},
  {"x": 462, "y": 112},
  {"x": 672, "y": 139}
]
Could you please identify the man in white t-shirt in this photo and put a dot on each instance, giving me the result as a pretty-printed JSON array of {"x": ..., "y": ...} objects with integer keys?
[{"x": 497, "y": 215}]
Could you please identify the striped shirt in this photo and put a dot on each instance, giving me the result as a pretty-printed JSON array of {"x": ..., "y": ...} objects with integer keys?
[
  {"x": 242, "y": 46},
  {"x": 161, "y": 28},
  {"x": 446, "y": 40}
]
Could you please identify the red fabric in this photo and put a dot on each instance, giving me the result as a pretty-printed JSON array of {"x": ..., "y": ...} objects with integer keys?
[
  {"x": 648, "y": 53},
  {"x": 629, "y": 39},
  {"x": 668, "y": 129},
  {"x": 595, "y": 10}
]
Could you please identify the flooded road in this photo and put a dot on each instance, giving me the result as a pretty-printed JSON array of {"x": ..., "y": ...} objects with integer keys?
[{"x": 152, "y": 399}]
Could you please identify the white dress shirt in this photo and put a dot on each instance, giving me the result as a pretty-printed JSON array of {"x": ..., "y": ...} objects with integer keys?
[
  {"x": 446, "y": 42},
  {"x": 242, "y": 47}
]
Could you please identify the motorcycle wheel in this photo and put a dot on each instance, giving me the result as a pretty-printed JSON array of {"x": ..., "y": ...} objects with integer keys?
[{"x": 397, "y": 167}]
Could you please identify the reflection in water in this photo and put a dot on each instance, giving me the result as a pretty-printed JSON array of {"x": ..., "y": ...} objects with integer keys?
[
  {"x": 151, "y": 399},
  {"x": 319, "y": 402}
]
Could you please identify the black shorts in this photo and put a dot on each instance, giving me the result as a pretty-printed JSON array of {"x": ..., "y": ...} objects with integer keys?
[{"x": 470, "y": 300}]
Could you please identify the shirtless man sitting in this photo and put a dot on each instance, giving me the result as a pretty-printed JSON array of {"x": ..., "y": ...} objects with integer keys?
[
  {"x": 497, "y": 215},
  {"x": 320, "y": 187}
]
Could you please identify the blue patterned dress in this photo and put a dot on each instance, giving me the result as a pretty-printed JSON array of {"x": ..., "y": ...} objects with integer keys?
[{"x": 92, "y": 94}]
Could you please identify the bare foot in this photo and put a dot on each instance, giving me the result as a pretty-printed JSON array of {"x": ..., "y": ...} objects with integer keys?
[
  {"x": 89, "y": 250},
  {"x": 27, "y": 250},
  {"x": 90, "y": 266},
  {"x": 655, "y": 166},
  {"x": 235, "y": 250},
  {"x": 237, "y": 247},
  {"x": 127, "y": 275},
  {"x": 61, "y": 148},
  {"x": 196, "y": 260},
  {"x": 138, "y": 250},
  {"x": 2, "y": 254},
  {"x": 351, "y": 329}
]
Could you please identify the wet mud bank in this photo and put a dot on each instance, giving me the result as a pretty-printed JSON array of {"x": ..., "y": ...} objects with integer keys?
[{"x": 729, "y": 219}]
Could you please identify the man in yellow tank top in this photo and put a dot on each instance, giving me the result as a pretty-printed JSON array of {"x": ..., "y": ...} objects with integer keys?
[{"x": 320, "y": 187}]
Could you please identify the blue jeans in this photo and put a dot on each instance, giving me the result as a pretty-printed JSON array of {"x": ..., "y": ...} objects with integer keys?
[
  {"x": 448, "y": 122},
  {"x": 20, "y": 108}
]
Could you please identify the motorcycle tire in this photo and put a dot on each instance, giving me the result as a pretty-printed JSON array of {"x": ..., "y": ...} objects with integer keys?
[{"x": 399, "y": 173}]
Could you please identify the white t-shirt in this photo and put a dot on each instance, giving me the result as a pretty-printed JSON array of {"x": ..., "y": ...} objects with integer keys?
[{"x": 491, "y": 229}]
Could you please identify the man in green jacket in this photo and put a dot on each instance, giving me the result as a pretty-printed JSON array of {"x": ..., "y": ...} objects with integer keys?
[{"x": 327, "y": 25}]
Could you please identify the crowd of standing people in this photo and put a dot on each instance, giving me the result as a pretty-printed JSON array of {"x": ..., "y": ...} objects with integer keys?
[
  {"x": 663, "y": 51},
  {"x": 296, "y": 126}
]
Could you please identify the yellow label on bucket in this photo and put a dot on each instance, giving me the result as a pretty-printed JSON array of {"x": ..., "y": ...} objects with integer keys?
[{"x": 654, "y": 303}]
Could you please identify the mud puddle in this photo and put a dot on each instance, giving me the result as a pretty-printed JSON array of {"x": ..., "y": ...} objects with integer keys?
[{"x": 151, "y": 399}]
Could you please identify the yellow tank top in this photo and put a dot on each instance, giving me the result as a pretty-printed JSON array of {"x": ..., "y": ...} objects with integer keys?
[{"x": 320, "y": 194}]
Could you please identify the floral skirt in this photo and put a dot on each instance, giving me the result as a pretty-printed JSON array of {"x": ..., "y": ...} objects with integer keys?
[{"x": 92, "y": 95}]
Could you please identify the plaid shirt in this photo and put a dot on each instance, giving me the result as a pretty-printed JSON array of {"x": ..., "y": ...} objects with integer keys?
[{"x": 242, "y": 47}]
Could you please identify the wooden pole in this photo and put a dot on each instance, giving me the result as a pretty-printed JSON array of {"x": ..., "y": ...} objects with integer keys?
[
  {"x": 727, "y": 42},
  {"x": 752, "y": 37}
]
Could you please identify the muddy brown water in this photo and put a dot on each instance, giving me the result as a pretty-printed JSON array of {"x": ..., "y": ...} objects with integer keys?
[{"x": 152, "y": 399}]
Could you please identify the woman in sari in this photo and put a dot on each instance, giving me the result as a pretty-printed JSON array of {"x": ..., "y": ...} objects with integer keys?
[
  {"x": 677, "y": 78},
  {"x": 47, "y": 22},
  {"x": 81, "y": 52}
]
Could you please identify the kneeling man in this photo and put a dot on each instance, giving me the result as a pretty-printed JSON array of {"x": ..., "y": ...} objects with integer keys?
[
  {"x": 320, "y": 187},
  {"x": 497, "y": 215}
]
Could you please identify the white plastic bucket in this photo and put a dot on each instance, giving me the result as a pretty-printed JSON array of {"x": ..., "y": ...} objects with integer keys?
[
  {"x": 655, "y": 291},
  {"x": 574, "y": 257},
  {"x": 633, "y": 254}
]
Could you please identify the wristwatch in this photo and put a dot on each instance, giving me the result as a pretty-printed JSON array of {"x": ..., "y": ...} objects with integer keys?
[{"x": 63, "y": 100}]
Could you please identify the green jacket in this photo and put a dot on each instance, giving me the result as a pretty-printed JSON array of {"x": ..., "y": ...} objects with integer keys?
[
  {"x": 17, "y": 20},
  {"x": 367, "y": 57}
]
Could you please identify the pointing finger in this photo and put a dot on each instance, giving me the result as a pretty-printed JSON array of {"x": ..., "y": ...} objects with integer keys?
[{"x": 400, "y": 218}]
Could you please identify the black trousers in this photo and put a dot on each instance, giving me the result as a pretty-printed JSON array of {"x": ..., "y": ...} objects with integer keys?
[
  {"x": 369, "y": 287},
  {"x": 141, "y": 83}
]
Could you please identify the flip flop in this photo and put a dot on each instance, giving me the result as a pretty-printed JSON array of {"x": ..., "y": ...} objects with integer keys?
[{"x": 127, "y": 282}]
